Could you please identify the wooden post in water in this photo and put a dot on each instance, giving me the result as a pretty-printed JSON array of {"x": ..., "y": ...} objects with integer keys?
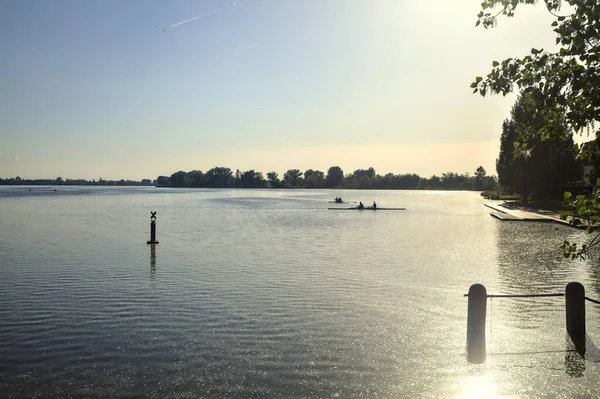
[
  {"x": 575, "y": 304},
  {"x": 476, "y": 324},
  {"x": 152, "y": 228}
]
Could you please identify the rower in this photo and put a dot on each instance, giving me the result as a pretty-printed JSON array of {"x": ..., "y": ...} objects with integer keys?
[
  {"x": 374, "y": 205},
  {"x": 340, "y": 200},
  {"x": 360, "y": 206}
]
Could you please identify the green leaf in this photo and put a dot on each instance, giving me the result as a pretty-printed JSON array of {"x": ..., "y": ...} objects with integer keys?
[
  {"x": 554, "y": 23},
  {"x": 567, "y": 195},
  {"x": 495, "y": 64}
]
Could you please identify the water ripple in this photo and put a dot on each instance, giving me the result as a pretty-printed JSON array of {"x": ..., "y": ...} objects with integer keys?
[{"x": 266, "y": 294}]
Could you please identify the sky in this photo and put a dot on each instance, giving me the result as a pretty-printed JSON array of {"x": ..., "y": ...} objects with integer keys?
[{"x": 141, "y": 88}]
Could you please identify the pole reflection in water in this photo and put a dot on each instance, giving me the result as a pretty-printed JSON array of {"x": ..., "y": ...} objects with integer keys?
[
  {"x": 152, "y": 261},
  {"x": 574, "y": 355}
]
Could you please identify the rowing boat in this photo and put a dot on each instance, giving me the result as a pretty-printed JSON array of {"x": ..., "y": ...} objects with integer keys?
[
  {"x": 343, "y": 202},
  {"x": 367, "y": 209}
]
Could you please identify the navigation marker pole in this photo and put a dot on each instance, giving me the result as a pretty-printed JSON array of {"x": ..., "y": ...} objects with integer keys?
[{"x": 152, "y": 229}]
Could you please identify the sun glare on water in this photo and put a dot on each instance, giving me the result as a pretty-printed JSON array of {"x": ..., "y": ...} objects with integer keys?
[{"x": 479, "y": 386}]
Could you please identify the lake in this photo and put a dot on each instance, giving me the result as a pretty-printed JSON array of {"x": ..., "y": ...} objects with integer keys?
[{"x": 266, "y": 293}]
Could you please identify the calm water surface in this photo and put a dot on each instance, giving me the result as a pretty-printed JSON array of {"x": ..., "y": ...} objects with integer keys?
[{"x": 266, "y": 293}]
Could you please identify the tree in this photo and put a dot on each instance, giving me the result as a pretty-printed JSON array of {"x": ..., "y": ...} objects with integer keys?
[
  {"x": 564, "y": 82},
  {"x": 316, "y": 179},
  {"x": 273, "y": 178},
  {"x": 535, "y": 166},
  {"x": 179, "y": 179},
  {"x": 564, "y": 85},
  {"x": 160, "y": 180},
  {"x": 479, "y": 177},
  {"x": 292, "y": 178},
  {"x": 196, "y": 178},
  {"x": 358, "y": 173},
  {"x": 507, "y": 164},
  {"x": 251, "y": 179},
  {"x": 335, "y": 177},
  {"x": 307, "y": 174},
  {"x": 592, "y": 151},
  {"x": 219, "y": 177}
]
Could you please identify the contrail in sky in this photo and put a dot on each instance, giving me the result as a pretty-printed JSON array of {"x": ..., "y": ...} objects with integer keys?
[{"x": 201, "y": 16}]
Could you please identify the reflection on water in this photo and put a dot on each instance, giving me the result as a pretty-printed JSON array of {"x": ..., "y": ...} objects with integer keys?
[
  {"x": 594, "y": 263},
  {"x": 574, "y": 355},
  {"x": 152, "y": 261},
  {"x": 479, "y": 384},
  {"x": 530, "y": 262},
  {"x": 264, "y": 293}
]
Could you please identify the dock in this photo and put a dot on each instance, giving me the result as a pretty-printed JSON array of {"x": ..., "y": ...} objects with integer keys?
[
  {"x": 505, "y": 216},
  {"x": 508, "y": 212}
]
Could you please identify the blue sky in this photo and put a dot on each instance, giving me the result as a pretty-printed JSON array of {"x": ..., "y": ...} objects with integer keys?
[{"x": 108, "y": 88}]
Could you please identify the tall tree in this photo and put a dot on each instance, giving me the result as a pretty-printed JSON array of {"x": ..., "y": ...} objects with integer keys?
[
  {"x": 480, "y": 174},
  {"x": 592, "y": 155},
  {"x": 531, "y": 167},
  {"x": 335, "y": 177},
  {"x": 508, "y": 165},
  {"x": 196, "y": 178},
  {"x": 179, "y": 179},
  {"x": 251, "y": 179},
  {"x": 316, "y": 179},
  {"x": 273, "y": 178},
  {"x": 564, "y": 85},
  {"x": 292, "y": 178},
  {"x": 219, "y": 177}
]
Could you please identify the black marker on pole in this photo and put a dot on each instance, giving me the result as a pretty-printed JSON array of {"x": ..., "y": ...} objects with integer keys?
[{"x": 152, "y": 229}]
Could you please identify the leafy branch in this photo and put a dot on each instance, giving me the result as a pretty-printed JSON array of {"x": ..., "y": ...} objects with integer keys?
[{"x": 582, "y": 211}]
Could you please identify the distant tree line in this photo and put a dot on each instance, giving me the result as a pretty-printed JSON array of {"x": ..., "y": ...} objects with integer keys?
[
  {"x": 59, "y": 181},
  {"x": 221, "y": 177}
]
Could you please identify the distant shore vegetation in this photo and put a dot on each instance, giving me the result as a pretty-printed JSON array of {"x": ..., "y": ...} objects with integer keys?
[
  {"x": 59, "y": 181},
  {"x": 334, "y": 178}
]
